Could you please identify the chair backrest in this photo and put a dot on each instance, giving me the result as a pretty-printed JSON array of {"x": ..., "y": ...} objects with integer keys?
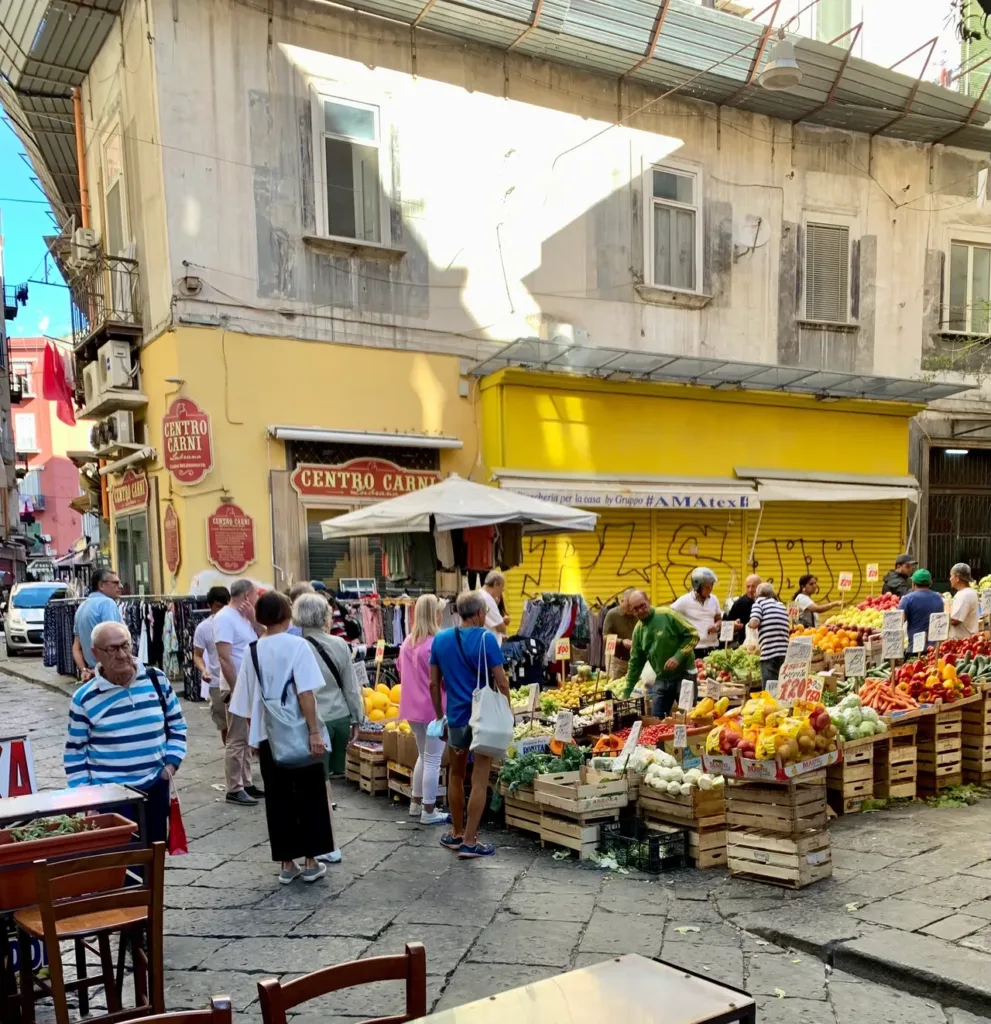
[
  {"x": 219, "y": 1013},
  {"x": 278, "y": 998}
]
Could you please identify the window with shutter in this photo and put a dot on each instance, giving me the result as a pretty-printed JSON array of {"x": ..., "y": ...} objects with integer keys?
[{"x": 827, "y": 272}]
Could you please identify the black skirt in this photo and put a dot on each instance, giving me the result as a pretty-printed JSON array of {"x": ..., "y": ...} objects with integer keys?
[{"x": 296, "y": 809}]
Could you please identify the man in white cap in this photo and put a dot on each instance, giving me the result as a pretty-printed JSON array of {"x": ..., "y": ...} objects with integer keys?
[
  {"x": 701, "y": 608},
  {"x": 965, "y": 609}
]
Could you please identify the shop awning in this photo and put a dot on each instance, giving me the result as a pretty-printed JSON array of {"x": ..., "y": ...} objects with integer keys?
[
  {"x": 780, "y": 485},
  {"x": 322, "y": 436},
  {"x": 455, "y": 504},
  {"x": 630, "y": 492}
]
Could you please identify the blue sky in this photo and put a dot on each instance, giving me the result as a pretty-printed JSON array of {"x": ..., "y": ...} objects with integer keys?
[{"x": 24, "y": 225}]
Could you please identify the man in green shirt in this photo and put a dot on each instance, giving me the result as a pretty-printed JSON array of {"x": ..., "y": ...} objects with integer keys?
[{"x": 665, "y": 640}]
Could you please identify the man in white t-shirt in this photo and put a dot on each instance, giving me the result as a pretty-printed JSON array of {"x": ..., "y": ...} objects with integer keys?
[
  {"x": 233, "y": 629},
  {"x": 701, "y": 608},
  {"x": 965, "y": 609},
  {"x": 205, "y": 659},
  {"x": 491, "y": 593}
]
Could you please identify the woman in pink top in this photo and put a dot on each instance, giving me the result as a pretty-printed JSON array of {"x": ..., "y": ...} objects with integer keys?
[{"x": 417, "y": 708}]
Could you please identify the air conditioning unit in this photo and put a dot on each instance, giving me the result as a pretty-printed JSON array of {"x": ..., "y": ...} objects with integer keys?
[
  {"x": 94, "y": 437},
  {"x": 91, "y": 383},
  {"x": 84, "y": 247},
  {"x": 114, "y": 362},
  {"x": 119, "y": 428}
]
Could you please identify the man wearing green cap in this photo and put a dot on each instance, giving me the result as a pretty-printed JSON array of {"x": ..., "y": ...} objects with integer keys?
[{"x": 920, "y": 604}]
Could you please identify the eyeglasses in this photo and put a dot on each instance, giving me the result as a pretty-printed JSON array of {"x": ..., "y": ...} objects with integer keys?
[{"x": 124, "y": 648}]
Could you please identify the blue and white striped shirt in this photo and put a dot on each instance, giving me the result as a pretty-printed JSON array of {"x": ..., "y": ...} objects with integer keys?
[{"x": 117, "y": 733}]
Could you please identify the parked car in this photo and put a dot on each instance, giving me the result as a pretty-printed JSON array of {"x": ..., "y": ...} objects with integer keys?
[{"x": 24, "y": 616}]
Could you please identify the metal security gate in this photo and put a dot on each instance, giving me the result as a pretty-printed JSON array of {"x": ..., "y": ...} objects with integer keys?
[{"x": 959, "y": 528}]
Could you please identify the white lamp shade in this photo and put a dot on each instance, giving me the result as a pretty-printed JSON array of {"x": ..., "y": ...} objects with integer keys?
[{"x": 781, "y": 70}]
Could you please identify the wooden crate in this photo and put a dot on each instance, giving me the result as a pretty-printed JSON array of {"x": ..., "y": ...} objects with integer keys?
[
  {"x": 940, "y": 750},
  {"x": 352, "y": 769},
  {"x": 850, "y": 782},
  {"x": 976, "y": 717},
  {"x": 976, "y": 741},
  {"x": 786, "y": 808},
  {"x": 896, "y": 764},
  {"x": 522, "y": 815},
  {"x": 400, "y": 778},
  {"x": 373, "y": 778},
  {"x": 701, "y": 808},
  {"x": 582, "y": 792},
  {"x": 790, "y": 861},
  {"x": 579, "y": 833}
]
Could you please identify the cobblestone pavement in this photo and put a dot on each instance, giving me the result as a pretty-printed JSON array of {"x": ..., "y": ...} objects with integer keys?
[{"x": 523, "y": 916}]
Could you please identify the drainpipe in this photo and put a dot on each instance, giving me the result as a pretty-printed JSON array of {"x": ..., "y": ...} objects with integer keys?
[{"x": 77, "y": 116}]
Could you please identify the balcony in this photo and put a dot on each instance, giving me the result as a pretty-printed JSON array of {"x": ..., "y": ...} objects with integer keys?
[{"x": 105, "y": 304}]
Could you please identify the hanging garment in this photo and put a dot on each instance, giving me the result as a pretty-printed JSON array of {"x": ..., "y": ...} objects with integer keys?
[
  {"x": 170, "y": 662},
  {"x": 479, "y": 541},
  {"x": 143, "y": 642},
  {"x": 397, "y": 625},
  {"x": 396, "y": 548},
  {"x": 511, "y": 554},
  {"x": 445, "y": 548}
]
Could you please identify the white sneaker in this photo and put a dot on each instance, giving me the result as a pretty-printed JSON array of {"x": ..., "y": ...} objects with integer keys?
[
  {"x": 334, "y": 857},
  {"x": 434, "y": 818},
  {"x": 415, "y": 808}
]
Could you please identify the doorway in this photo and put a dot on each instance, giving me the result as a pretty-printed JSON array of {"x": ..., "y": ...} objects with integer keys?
[{"x": 133, "y": 562}]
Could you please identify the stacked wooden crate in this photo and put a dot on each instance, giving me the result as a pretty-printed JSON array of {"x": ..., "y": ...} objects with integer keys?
[
  {"x": 522, "y": 810},
  {"x": 977, "y": 741},
  {"x": 365, "y": 764},
  {"x": 777, "y": 831},
  {"x": 574, "y": 804},
  {"x": 896, "y": 762},
  {"x": 701, "y": 812},
  {"x": 940, "y": 749},
  {"x": 850, "y": 782}
]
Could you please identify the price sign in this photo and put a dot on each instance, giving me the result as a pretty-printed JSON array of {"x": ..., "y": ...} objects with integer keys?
[
  {"x": 874, "y": 649},
  {"x": 790, "y": 690},
  {"x": 713, "y": 688},
  {"x": 892, "y": 644},
  {"x": 813, "y": 692},
  {"x": 892, "y": 620},
  {"x": 564, "y": 726},
  {"x": 846, "y": 581},
  {"x": 794, "y": 613},
  {"x": 726, "y": 631},
  {"x": 855, "y": 662},
  {"x": 939, "y": 626},
  {"x": 562, "y": 649},
  {"x": 379, "y": 652},
  {"x": 873, "y": 573},
  {"x": 611, "y": 640},
  {"x": 533, "y": 700},
  {"x": 986, "y": 602},
  {"x": 687, "y": 696},
  {"x": 681, "y": 736},
  {"x": 772, "y": 687},
  {"x": 631, "y": 741},
  {"x": 799, "y": 649},
  {"x": 918, "y": 643}
]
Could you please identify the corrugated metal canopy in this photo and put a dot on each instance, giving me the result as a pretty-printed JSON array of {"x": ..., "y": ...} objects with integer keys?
[{"x": 620, "y": 364}]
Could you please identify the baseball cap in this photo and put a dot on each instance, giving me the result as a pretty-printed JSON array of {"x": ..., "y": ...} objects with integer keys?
[
  {"x": 906, "y": 559},
  {"x": 923, "y": 577}
]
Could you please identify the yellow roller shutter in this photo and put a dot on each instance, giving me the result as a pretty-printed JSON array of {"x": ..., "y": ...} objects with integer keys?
[
  {"x": 825, "y": 539},
  {"x": 597, "y": 565},
  {"x": 684, "y": 540}
]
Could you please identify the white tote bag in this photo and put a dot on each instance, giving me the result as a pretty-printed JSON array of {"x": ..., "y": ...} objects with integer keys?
[{"x": 491, "y": 716}]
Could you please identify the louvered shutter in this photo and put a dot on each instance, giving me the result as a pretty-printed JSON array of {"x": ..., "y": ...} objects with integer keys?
[{"x": 827, "y": 272}]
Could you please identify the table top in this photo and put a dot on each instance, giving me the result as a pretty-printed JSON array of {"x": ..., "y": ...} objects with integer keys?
[
  {"x": 630, "y": 989},
  {"x": 66, "y": 801}
]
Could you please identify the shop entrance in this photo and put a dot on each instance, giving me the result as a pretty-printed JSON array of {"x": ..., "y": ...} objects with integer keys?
[
  {"x": 959, "y": 512},
  {"x": 328, "y": 560},
  {"x": 133, "y": 562}
]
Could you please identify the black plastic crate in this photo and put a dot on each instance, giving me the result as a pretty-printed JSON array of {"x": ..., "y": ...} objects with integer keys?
[
  {"x": 634, "y": 845},
  {"x": 627, "y": 711}
]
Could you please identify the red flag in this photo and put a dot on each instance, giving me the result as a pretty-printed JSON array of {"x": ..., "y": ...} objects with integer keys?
[{"x": 55, "y": 386}]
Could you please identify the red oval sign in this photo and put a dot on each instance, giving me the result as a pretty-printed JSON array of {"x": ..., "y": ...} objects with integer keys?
[
  {"x": 187, "y": 447},
  {"x": 359, "y": 478},
  {"x": 170, "y": 533},
  {"x": 130, "y": 494},
  {"x": 230, "y": 539}
]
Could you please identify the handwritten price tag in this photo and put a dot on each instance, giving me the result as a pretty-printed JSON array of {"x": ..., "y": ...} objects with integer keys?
[
  {"x": 687, "y": 696},
  {"x": 794, "y": 613},
  {"x": 772, "y": 687},
  {"x": 918, "y": 643},
  {"x": 892, "y": 644},
  {"x": 533, "y": 700},
  {"x": 564, "y": 726},
  {"x": 855, "y": 662},
  {"x": 726, "y": 631},
  {"x": 379, "y": 652},
  {"x": 611, "y": 641},
  {"x": 631, "y": 741},
  {"x": 562, "y": 649},
  {"x": 846, "y": 581},
  {"x": 799, "y": 649},
  {"x": 873, "y": 573},
  {"x": 892, "y": 620},
  {"x": 985, "y": 602},
  {"x": 939, "y": 626},
  {"x": 713, "y": 688},
  {"x": 813, "y": 693},
  {"x": 681, "y": 736},
  {"x": 791, "y": 690}
]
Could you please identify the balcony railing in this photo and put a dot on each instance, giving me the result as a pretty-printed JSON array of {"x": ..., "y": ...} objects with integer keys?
[{"x": 105, "y": 295}]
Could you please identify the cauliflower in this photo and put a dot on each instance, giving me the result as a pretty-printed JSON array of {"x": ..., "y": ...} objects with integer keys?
[
  {"x": 693, "y": 775},
  {"x": 705, "y": 782},
  {"x": 677, "y": 775},
  {"x": 652, "y": 770},
  {"x": 686, "y": 789},
  {"x": 674, "y": 788},
  {"x": 718, "y": 782},
  {"x": 666, "y": 759}
]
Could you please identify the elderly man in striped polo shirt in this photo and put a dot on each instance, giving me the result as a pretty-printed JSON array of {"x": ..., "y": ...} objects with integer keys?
[{"x": 126, "y": 727}]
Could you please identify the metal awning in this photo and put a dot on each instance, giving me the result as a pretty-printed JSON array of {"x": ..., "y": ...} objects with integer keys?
[
  {"x": 622, "y": 364},
  {"x": 320, "y": 435},
  {"x": 802, "y": 490}
]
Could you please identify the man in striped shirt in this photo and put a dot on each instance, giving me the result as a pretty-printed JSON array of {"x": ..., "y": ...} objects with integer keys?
[
  {"x": 126, "y": 727},
  {"x": 769, "y": 617}
]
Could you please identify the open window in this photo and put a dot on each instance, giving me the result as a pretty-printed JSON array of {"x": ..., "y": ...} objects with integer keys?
[{"x": 970, "y": 288}]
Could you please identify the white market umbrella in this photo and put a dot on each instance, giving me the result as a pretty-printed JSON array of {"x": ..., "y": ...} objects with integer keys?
[{"x": 455, "y": 504}]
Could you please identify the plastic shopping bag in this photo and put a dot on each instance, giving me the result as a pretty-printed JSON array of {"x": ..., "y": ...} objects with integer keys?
[
  {"x": 491, "y": 715},
  {"x": 178, "y": 843}
]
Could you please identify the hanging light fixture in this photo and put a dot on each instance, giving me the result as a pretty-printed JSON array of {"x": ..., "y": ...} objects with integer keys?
[{"x": 781, "y": 70}]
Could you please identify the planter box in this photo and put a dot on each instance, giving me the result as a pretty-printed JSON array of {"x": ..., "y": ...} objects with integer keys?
[{"x": 17, "y": 885}]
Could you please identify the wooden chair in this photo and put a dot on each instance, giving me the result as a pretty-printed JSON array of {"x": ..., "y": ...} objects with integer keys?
[
  {"x": 411, "y": 967},
  {"x": 219, "y": 1013},
  {"x": 129, "y": 911}
]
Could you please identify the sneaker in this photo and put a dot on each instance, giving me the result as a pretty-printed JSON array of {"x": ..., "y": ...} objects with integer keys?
[
  {"x": 314, "y": 874},
  {"x": 286, "y": 877},
  {"x": 415, "y": 808},
  {"x": 258, "y": 794},
  {"x": 435, "y": 818},
  {"x": 476, "y": 851},
  {"x": 334, "y": 857},
  {"x": 452, "y": 842},
  {"x": 241, "y": 797}
]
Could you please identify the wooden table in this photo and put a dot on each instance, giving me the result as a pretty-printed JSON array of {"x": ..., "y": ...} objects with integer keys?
[{"x": 630, "y": 989}]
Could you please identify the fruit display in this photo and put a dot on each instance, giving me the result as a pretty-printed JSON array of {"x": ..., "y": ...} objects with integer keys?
[
  {"x": 831, "y": 639},
  {"x": 531, "y": 730},
  {"x": 569, "y": 695},
  {"x": 984, "y": 583},
  {"x": 942, "y": 679},
  {"x": 707, "y": 709},
  {"x": 593, "y": 716},
  {"x": 883, "y": 603},
  {"x": 859, "y": 618},
  {"x": 770, "y": 732},
  {"x": 393, "y": 726},
  {"x": 730, "y": 665},
  {"x": 381, "y": 702},
  {"x": 855, "y": 721},
  {"x": 519, "y": 699},
  {"x": 650, "y": 736}
]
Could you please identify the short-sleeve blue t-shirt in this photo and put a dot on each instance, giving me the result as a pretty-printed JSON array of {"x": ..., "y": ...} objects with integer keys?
[
  {"x": 460, "y": 671},
  {"x": 918, "y": 606},
  {"x": 95, "y": 609}
]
